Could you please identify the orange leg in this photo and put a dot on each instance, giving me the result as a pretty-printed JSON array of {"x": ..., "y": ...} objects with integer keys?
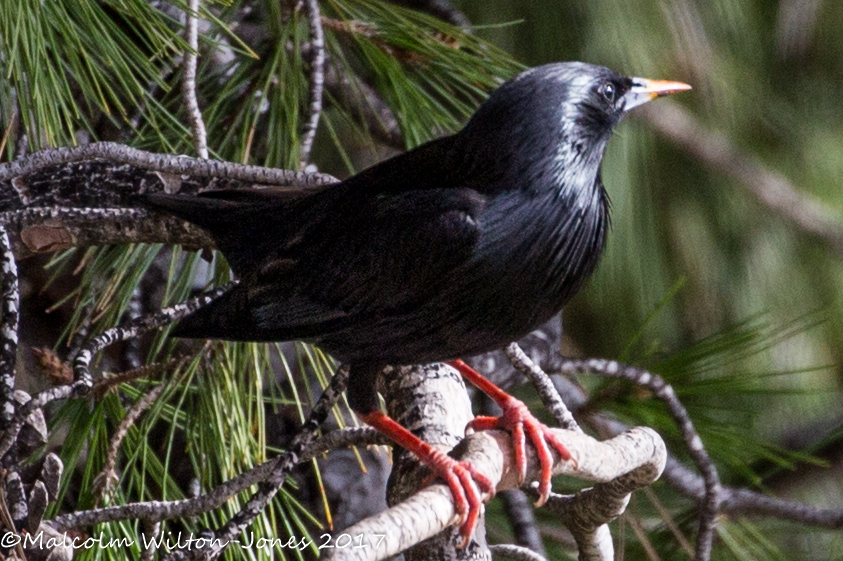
[
  {"x": 467, "y": 485},
  {"x": 518, "y": 421}
]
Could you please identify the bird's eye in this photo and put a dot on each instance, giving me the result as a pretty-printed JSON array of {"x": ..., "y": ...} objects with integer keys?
[{"x": 608, "y": 91}]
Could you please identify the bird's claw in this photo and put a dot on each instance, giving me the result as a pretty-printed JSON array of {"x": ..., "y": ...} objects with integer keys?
[
  {"x": 521, "y": 424},
  {"x": 467, "y": 485}
]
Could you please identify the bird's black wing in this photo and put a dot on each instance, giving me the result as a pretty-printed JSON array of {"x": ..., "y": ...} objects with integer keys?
[
  {"x": 311, "y": 262},
  {"x": 247, "y": 225},
  {"x": 384, "y": 254}
]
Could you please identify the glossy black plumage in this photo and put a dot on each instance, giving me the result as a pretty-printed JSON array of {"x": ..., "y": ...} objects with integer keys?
[{"x": 457, "y": 247}]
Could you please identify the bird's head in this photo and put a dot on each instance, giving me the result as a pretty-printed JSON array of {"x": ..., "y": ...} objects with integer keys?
[
  {"x": 558, "y": 117},
  {"x": 592, "y": 99}
]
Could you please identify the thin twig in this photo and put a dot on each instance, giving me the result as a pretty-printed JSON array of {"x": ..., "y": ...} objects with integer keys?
[
  {"x": 519, "y": 510},
  {"x": 197, "y": 125},
  {"x": 316, "y": 78},
  {"x": 643, "y": 539},
  {"x": 213, "y": 499},
  {"x": 8, "y": 328},
  {"x": 590, "y": 538},
  {"x": 544, "y": 385},
  {"x": 343, "y": 438},
  {"x": 734, "y": 501},
  {"x": 594, "y": 540},
  {"x": 104, "y": 482},
  {"x": 131, "y": 357},
  {"x": 137, "y": 327},
  {"x": 515, "y": 552},
  {"x": 710, "y": 506},
  {"x": 37, "y": 402},
  {"x": 751, "y": 503},
  {"x": 151, "y": 530},
  {"x": 365, "y": 104},
  {"x": 269, "y": 487},
  {"x": 110, "y": 381},
  {"x": 8, "y": 131},
  {"x": 669, "y": 521}
]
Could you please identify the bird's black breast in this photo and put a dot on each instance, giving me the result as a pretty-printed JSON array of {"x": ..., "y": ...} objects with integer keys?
[
  {"x": 531, "y": 254},
  {"x": 535, "y": 252}
]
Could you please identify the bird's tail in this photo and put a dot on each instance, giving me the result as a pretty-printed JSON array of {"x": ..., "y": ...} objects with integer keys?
[
  {"x": 244, "y": 224},
  {"x": 212, "y": 210},
  {"x": 225, "y": 318}
]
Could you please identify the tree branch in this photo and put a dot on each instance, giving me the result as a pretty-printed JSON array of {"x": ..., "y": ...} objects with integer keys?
[
  {"x": 137, "y": 327},
  {"x": 516, "y": 553},
  {"x": 520, "y": 514},
  {"x": 215, "y": 498},
  {"x": 662, "y": 390},
  {"x": 732, "y": 500},
  {"x": 541, "y": 381},
  {"x": 432, "y": 403},
  {"x": 316, "y": 78},
  {"x": 77, "y": 197},
  {"x": 197, "y": 125},
  {"x": 180, "y": 165},
  {"x": 8, "y": 328},
  {"x": 430, "y": 511}
]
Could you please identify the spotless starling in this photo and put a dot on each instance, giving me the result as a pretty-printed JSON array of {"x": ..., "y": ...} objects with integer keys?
[{"x": 457, "y": 247}]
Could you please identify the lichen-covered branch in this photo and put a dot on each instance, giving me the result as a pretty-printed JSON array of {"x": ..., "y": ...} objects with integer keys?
[
  {"x": 541, "y": 381},
  {"x": 712, "y": 498},
  {"x": 191, "y": 102},
  {"x": 586, "y": 513},
  {"x": 166, "y": 163},
  {"x": 543, "y": 347},
  {"x": 638, "y": 452},
  {"x": 431, "y": 402},
  {"x": 78, "y": 197},
  {"x": 593, "y": 538},
  {"x": 135, "y": 328},
  {"x": 316, "y": 78},
  {"x": 8, "y": 328}
]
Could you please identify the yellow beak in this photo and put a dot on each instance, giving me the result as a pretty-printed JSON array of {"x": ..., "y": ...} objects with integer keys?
[{"x": 644, "y": 90}]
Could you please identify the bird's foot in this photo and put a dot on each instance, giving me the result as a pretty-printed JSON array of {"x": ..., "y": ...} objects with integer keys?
[
  {"x": 467, "y": 485},
  {"x": 521, "y": 424}
]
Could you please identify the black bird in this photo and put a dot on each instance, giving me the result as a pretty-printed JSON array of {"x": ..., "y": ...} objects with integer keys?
[{"x": 457, "y": 247}]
